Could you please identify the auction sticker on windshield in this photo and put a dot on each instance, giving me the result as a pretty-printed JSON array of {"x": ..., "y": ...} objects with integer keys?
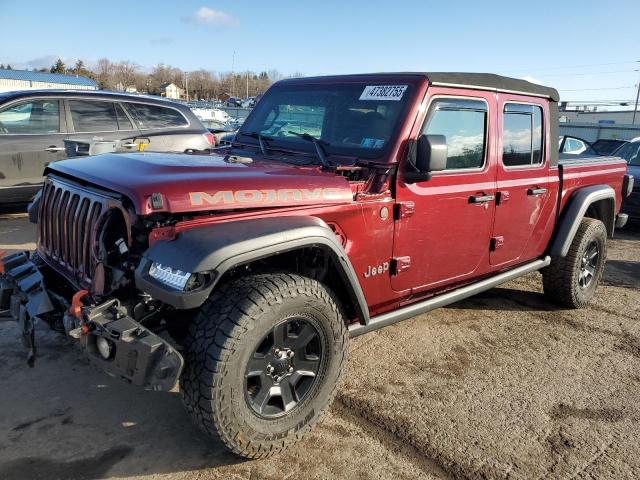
[{"x": 383, "y": 92}]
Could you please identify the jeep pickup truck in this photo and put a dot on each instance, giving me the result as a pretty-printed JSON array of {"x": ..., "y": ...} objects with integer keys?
[{"x": 344, "y": 204}]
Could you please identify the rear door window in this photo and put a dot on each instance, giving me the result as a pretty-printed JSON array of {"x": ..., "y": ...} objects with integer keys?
[
  {"x": 155, "y": 116},
  {"x": 40, "y": 116},
  {"x": 93, "y": 116},
  {"x": 521, "y": 135}
]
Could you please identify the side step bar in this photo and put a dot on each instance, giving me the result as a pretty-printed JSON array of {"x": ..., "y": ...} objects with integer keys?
[{"x": 447, "y": 298}]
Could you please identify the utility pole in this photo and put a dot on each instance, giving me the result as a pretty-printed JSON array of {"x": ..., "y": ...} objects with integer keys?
[
  {"x": 233, "y": 74},
  {"x": 247, "y": 95},
  {"x": 186, "y": 84},
  {"x": 635, "y": 108}
]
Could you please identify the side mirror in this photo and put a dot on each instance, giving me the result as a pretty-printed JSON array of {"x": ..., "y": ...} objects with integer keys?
[{"x": 429, "y": 155}]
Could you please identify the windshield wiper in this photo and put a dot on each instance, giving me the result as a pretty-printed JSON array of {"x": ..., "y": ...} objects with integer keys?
[
  {"x": 320, "y": 151},
  {"x": 261, "y": 140}
]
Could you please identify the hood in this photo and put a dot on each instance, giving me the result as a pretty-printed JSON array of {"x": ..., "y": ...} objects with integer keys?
[{"x": 190, "y": 183}]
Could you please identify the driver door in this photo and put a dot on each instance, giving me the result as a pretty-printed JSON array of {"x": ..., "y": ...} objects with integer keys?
[{"x": 443, "y": 226}]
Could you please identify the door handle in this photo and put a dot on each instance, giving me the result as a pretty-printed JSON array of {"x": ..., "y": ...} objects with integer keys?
[
  {"x": 53, "y": 148},
  {"x": 536, "y": 191},
  {"x": 129, "y": 145},
  {"x": 481, "y": 198}
]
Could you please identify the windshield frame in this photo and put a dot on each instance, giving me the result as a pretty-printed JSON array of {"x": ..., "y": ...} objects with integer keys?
[{"x": 338, "y": 154}]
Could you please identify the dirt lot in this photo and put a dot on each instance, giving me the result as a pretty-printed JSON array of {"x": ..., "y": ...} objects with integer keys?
[{"x": 501, "y": 385}]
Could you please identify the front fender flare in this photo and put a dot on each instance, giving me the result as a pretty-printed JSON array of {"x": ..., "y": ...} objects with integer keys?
[
  {"x": 574, "y": 211},
  {"x": 223, "y": 246}
]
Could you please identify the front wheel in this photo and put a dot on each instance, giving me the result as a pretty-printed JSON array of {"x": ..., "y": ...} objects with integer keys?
[
  {"x": 571, "y": 281},
  {"x": 263, "y": 361}
]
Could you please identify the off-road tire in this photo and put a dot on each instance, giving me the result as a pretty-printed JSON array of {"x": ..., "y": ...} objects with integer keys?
[
  {"x": 560, "y": 280},
  {"x": 220, "y": 342}
]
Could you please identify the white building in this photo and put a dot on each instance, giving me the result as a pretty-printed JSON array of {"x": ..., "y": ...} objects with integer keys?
[
  {"x": 11, "y": 80},
  {"x": 172, "y": 91}
]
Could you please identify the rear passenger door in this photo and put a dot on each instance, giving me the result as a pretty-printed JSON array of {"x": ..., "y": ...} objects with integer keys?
[
  {"x": 101, "y": 120},
  {"x": 32, "y": 134},
  {"x": 523, "y": 202}
]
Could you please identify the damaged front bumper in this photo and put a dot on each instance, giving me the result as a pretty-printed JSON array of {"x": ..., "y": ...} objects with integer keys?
[{"x": 112, "y": 340}]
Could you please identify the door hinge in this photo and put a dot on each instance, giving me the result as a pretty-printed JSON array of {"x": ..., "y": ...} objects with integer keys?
[
  {"x": 400, "y": 264},
  {"x": 403, "y": 210},
  {"x": 496, "y": 243}
]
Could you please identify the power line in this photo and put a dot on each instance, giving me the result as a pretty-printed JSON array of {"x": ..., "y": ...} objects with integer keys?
[
  {"x": 583, "y": 73},
  {"x": 589, "y": 89},
  {"x": 580, "y": 66}
]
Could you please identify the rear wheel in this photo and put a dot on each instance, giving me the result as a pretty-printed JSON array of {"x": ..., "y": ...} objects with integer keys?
[
  {"x": 263, "y": 360},
  {"x": 571, "y": 281}
]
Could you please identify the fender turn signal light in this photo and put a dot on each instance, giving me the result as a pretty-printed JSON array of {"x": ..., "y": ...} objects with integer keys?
[{"x": 2, "y": 254}]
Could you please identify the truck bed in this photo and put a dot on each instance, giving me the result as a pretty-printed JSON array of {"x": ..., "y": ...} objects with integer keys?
[{"x": 577, "y": 171}]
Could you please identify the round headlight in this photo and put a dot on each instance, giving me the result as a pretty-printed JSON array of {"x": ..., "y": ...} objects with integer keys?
[{"x": 105, "y": 347}]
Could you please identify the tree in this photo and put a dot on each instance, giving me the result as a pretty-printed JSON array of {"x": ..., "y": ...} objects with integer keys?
[
  {"x": 80, "y": 70},
  {"x": 104, "y": 74},
  {"x": 1, "y": 66},
  {"x": 59, "y": 67},
  {"x": 9, "y": 67},
  {"x": 125, "y": 74}
]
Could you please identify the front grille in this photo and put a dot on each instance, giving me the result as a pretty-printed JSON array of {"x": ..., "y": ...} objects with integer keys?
[{"x": 67, "y": 221}]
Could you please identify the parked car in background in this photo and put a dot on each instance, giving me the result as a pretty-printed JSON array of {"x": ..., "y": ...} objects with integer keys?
[
  {"x": 249, "y": 102},
  {"x": 35, "y": 123},
  {"x": 211, "y": 115},
  {"x": 608, "y": 146},
  {"x": 575, "y": 146},
  {"x": 233, "y": 102},
  {"x": 630, "y": 152}
]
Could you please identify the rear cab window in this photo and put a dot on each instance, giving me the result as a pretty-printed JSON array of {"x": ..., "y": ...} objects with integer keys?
[
  {"x": 39, "y": 116},
  {"x": 154, "y": 116},
  {"x": 522, "y": 135}
]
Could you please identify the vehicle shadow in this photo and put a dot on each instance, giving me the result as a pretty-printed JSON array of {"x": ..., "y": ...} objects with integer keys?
[
  {"x": 617, "y": 273},
  {"x": 622, "y": 273},
  {"x": 13, "y": 208},
  {"x": 63, "y": 419},
  {"x": 506, "y": 300}
]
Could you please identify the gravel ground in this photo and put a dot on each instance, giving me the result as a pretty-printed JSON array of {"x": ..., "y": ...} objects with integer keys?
[{"x": 500, "y": 385}]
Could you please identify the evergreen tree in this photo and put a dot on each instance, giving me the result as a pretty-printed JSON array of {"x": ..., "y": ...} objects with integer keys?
[{"x": 59, "y": 67}]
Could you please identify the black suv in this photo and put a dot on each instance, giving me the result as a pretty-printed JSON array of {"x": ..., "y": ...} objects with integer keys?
[{"x": 34, "y": 125}]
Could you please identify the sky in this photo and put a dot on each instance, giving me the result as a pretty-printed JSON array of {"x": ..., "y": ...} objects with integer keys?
[{"x": 589, "y": 50}]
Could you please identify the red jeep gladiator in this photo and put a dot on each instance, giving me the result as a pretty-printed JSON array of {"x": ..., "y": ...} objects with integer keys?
[{"x": 343, "y": 205}]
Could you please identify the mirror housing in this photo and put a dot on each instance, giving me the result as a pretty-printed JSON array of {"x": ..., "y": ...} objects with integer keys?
[{"x": 429, "y": 154}]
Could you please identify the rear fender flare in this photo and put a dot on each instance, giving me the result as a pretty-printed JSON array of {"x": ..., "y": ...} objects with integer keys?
[
  {"x": 575, "y": 210},
  {"x": 221, "y": 247}
]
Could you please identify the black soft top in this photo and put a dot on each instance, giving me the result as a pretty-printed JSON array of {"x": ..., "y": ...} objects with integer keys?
[
  {"x": 491, "y": 81},
  {"x": 481, "y": 81}
]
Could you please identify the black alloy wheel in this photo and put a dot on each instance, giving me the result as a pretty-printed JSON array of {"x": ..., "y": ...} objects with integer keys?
[{"x": 283, "y": 368}]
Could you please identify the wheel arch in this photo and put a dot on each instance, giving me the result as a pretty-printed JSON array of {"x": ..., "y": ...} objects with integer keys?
[
  {"x": 226, "y": 249},
  {"x": 596, "y": 201}
]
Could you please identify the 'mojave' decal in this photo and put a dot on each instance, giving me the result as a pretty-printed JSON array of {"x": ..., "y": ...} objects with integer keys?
[{"x": 268, "y": 196}]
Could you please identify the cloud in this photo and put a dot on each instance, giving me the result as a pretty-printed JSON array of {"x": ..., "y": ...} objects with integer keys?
[
  {"x": 531, "y": 79},
  {"x": 209, "y": 17}
]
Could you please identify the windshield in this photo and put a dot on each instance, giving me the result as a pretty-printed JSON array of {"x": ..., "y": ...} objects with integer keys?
[
  {"x": 354, "y": 120},
  {"x": 630, "y": 152}
]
